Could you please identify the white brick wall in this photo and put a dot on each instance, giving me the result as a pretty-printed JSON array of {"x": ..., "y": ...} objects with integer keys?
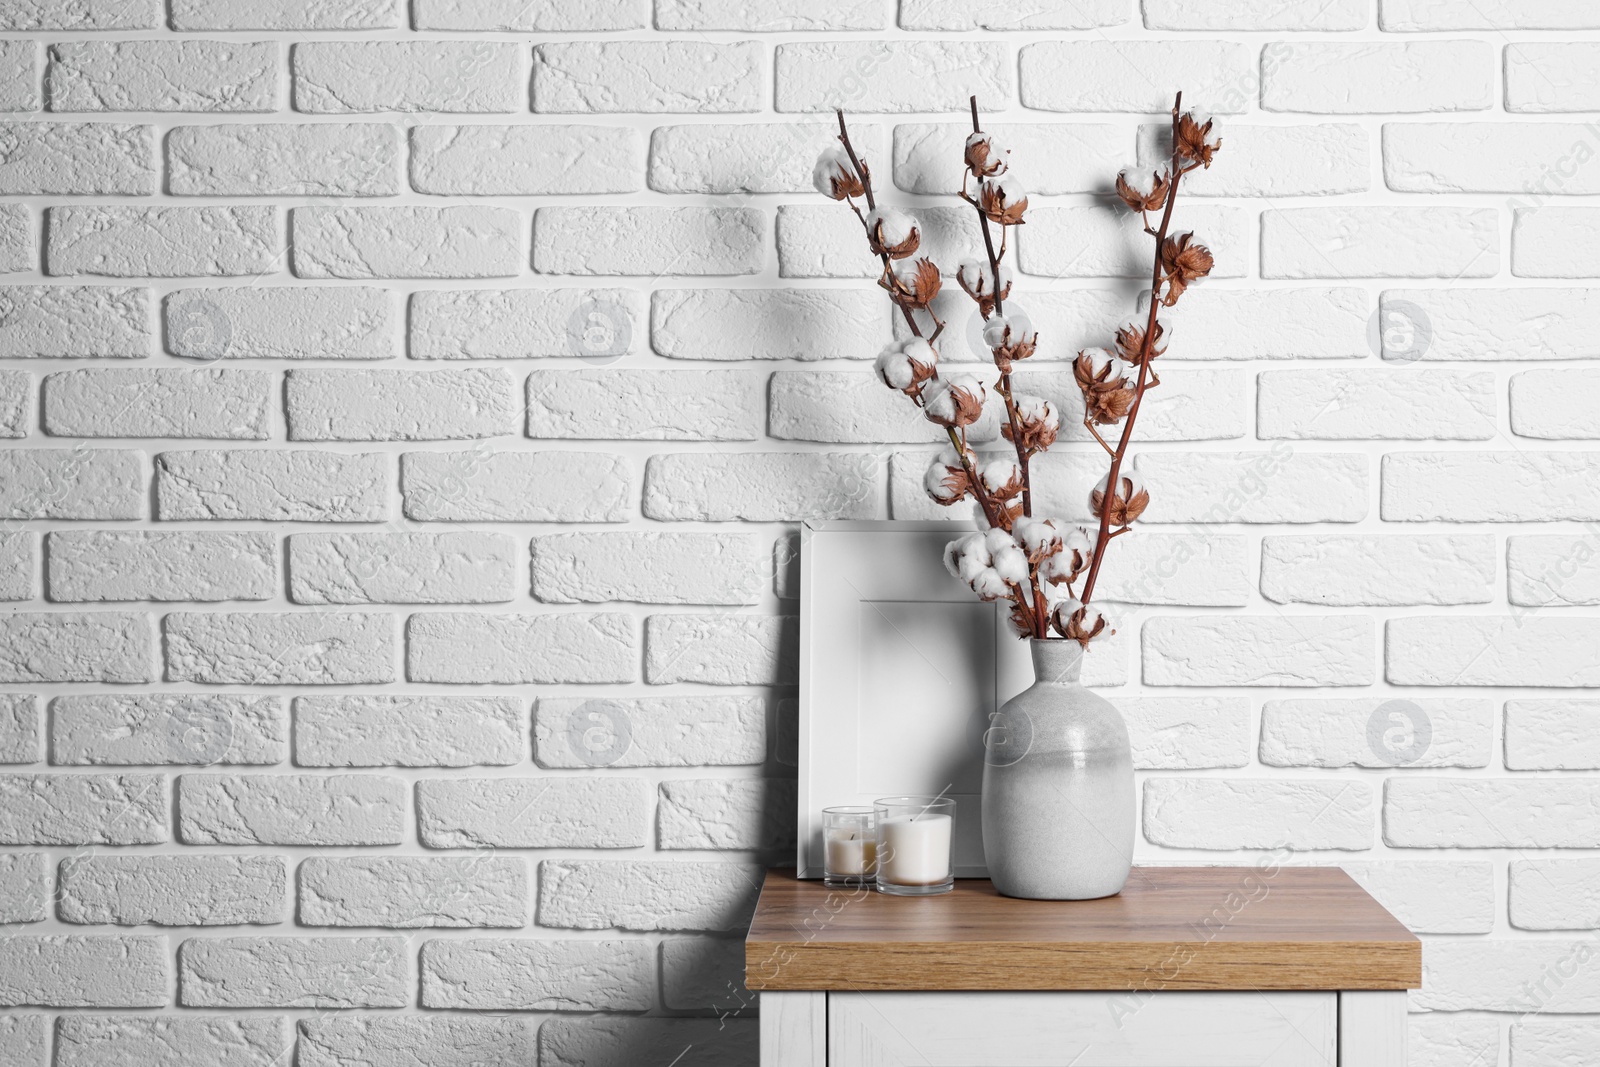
[{"x": 306, "y": 641}]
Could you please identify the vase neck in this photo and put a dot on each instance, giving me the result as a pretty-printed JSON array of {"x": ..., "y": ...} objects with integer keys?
[{"x": 1057, "y": 662}]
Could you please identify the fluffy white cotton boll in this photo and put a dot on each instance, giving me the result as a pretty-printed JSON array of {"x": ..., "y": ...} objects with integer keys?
[
  {"x": 994, "y": 539},
  {"x": 894, "y": 367},
  {"x": 941, "y": 400},
  {"x": 1036, "y": 410},
  {"x": 1078, "y": 540},
  {"x": 989, "y": 585},
  {"x": 833, "y": 163},
  {"x": 920, "y": 351},
  {"x": 966, "y": 556},
  {"x": 1036, "y": 536},
  {"x": 1019, "y": 326},
  {"x": 1099, "y": 359},
  {"x": 1011, "y": 563},
  {"x": 896, "y": 224},
  {"x": 1130, "y": 476},
  {"x": 1142, "y": 180},
  {"x": 987, "y": 138},
  {"x": 998, "y": 473},
  {"x": 1008, "y": 187},
  {"x": 1214, "y": 138},
  {"x": 937, "y": 479}
]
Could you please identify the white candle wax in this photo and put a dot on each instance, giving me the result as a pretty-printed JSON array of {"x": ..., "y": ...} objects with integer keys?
[
  {"x": 851, "y": 852},
  {"x": 914, "y": 849}
]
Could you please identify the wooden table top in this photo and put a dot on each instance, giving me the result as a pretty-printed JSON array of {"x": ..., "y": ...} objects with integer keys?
[{"x": 1216, "y": 928}]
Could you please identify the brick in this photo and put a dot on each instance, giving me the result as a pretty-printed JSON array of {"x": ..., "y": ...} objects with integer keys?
[
  {"x": 1217, "y": 76},
  {"x": 527, "y": 812},
  {"x": 160, "y": 402},
  {"x": 525, "y": 323},
  {"x": 1551, "y": 894},
  {"x": 1359, "y": 405},
  {"x": 649, "y": 240},
  {"x": 764, "y": 486},
  {"x": 649, "y": 732},
  {"x": 74, "y": 321},
  {"x": 1349, "y": 79},
  {"x": 847, "y": 407},
  {"x": 1555, "y": 404},
  {"x": 776, "y": 15},
  {"x": 152, "y": 728},
  {"x": 1394, "y": 732},
  {"x": 1492, "y": 650},
  {"x": 206, "y": 1041},
  {"x": 955, "y": 15},
  {"x": 335, "y": 77},
  {"x": 1552, "y": 735},
  {"x": 1284, "y": 651},
  {"x": 19, "y": 76},
  {"x": 273, "y": 648},
  {"x": 17, "y": 250},
  {"x": 1500, "y": 324},
  {"x": 825, "y": 241},
  {"x": 400, "y": 405},
  {"x": 71, "y": 483},
  {"x": 285, "y": 15},
  {"x": 704, "y": 974},
  {"x": 83, "y": 809},
  {"x": 77, "y": 158},
  {"x": 525, "y": 160},
  {"x": 161, "y": 242},
  {"x": 597, "y": 1041},
  {"x": 22, "y": 1039},
  {"x": 1280, "y": 485},
  {"x": 478, "y": 486},
  {"x": 62, "y": 646},
  {"x": 71, "y": 15},
  {"x": 726, "y": 813},
  {"x": 1232, "y": 813},
  {"x": 409, "y": 892},
  {"x": 647, "y": 895},
  {"x": 469, "y": 567},
  {"x": 721, "y": 649},
  {"x": 1433, "y": 898},
  {"x": 173, "y": 890},
  {"x": 17, "y": 566},
  {"x": 84, "y": 972},
  {"x": 747, "y": 157},
  {"x": 1490, "y": 486},
  {"x": 786, "y": 566},
  {"x": 162, "y": 76},
  {"x": 284, "y": 159},
  {"x": 1247, "y": 324},
  {"x": 1382, "y": 569},
  {"x": 471, "y": 649},
  {"x": 1423, "y": 15},
  {"x": 1380, "y": 242},
  {"x": 1486, "y": 157},
  {"x": 1549, "y": 76},
  {"x": 693, "y": 76},
  {"x": 332, "y": 1040},
  {"x": 291, "y": 809},
  {"x": 1191, "y": 732},
  {"x": 1555, "y": 1042},
  {"x": 1092, "y": 242},
  {"x": 1050, "y": 158},
  {"x": 1489, "y": 813},
  {"x": 1270, "y": 161},
  {"x": 1549, "y": 242},
  {"x": 523, "y": 16},
  {"x": 1253, "y": 15},
  {"x": 487, "y": 974},
  {"x": 293, "y": 972},
  {"x": 406, "y": 242},
  {"x": 891, "y": 76},
  {"x": 24, "y": 888},
  {"x": 651, "y": 405},
  {"x": 649, "y": 568},
  {"x": 1504, "y": 974},
  {"x": 408, "y": 731},
  {"x": 792, "y": 324},
  {"x": 282, "y": 322},
  {"x": 16, "y": 403},
  {"x": 288, "y": 485},
  {"x": 19, "y": 729},
  {"x": 1195, "y": 569}
]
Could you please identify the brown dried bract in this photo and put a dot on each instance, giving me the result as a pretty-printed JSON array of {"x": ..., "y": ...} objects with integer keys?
[
  {"x": 1127, "y": 503},
  {"x": 1002, "y": 201},
  {"x": 1183, "y": 261},
  {"x": 1107, "y": 396},
  {"x": 915, "y": 288},
  {"x": 1195, "y": 142},
  {"x": 1130, "y": 342},
  {"x": 982, "y": 158},
  {"x": 1154, "y": 200}
]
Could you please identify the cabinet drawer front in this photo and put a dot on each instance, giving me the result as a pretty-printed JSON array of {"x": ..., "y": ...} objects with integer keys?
[{"x": 1082, "y": 1029}]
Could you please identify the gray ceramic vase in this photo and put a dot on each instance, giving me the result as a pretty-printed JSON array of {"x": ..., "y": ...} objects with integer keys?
[{"x": 1058, "y": 803}]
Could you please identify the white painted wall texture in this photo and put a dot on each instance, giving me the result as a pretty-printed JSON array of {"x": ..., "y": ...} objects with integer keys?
[{"x": 399, "y": 398}]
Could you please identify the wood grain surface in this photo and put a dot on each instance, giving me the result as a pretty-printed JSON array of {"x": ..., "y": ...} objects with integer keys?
[{"x": 1216, "y": 928}]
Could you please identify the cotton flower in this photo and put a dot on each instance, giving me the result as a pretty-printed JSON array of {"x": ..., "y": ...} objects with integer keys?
[
  {"x": 1011, "y": 563},
  {"x": 1010, "y": 337},
  {"x": 990, "y": 585},
  {"x": 1039, "y": 538},
  {"x": 1127, "y": 503},
  {"x": 946, "y": 480},
  {"x": 905, "y": 365},
  {"x": 834, "y": 175},
  {"x": 1076, "y": 622},
  {"x": 984, "y": 156},
  {"x": 1037, "y": 422},
  {"x": 966, "y": 556},
  {"x": 916, "y": 282},
  {"x": 1183, "y": 260},
  {"x": 955, "y": 401},
  {"x": 1144, "y": 188},
  {"x": 1002, "y": 478},
  {"x": 1107, "y": 384},
  {"x": 1130, "y": 341},
  {"x": 1196, "y": 140},
  {"x": 893, "y": 233},
  {"x": 1003, "y": 200},
  {"x": 977, "y": 280}
]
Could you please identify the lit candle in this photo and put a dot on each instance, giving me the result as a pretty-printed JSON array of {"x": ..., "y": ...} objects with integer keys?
[
  {"x": 852, "y": 852},
  {"x": 915, "y": 849}
]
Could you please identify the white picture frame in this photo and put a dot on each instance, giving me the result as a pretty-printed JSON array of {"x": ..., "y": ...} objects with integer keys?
[{"x": 900, "y": 668}]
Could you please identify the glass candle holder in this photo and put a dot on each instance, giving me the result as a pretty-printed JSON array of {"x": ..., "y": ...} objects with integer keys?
[
  {"x": 914, "y": 835},
  {"x": 850, "y": 846}
]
